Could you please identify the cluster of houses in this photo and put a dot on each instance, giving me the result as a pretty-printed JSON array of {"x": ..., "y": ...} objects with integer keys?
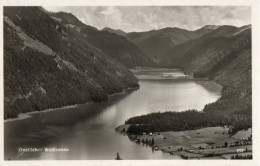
[
  {"x": 244, "y": 141},
  {"x": 239, "y": 142}
]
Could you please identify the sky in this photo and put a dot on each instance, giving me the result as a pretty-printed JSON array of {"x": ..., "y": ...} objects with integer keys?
[{"x": 145, "y": 18}]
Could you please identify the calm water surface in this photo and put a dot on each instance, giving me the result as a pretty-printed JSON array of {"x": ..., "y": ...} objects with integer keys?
[{"x": 88, "y": 129}]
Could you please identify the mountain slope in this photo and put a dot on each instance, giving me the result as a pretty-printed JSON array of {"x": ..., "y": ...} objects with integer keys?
[
  {"x": 197, "y": 53},
  {"x": 48, "y": 64},
  {"x": 182, "y": 55},
  {"x": 156, "y": 42},
  {"x": 111, "y": 44},
  {"x": 223, "y": 55}
]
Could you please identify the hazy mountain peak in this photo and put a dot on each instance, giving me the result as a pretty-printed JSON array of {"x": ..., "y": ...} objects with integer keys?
[
  {"x": 242, "y": 29},
  {"x": 211, "y": 27},
  {"x": 116, "y": 31},
  {"x": 69, "y": 18}
]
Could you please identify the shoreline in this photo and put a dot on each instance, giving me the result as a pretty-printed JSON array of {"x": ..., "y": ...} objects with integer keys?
[
  {"x": 188, "y": 144},
  {"x": 22, "y": 116},
  {"x": 26, "y": 115}
]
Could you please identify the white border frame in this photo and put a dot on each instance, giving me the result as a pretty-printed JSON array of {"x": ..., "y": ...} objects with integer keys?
[{"x": 255, "y": 8}]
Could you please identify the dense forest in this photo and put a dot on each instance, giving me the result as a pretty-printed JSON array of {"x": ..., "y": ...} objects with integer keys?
[{"x": 187, "y": 120}]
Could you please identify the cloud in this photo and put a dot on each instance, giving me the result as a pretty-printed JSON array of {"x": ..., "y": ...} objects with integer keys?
[{"x": 144, "y": 18}]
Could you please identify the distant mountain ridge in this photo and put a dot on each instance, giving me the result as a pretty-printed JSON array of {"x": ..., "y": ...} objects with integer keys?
[
  {"x": 111, "y": 44},
  {"x": 156, "y": 42}
]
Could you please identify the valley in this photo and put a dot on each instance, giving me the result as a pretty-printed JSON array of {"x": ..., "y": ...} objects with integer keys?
[{"x": 73, "y": 84}]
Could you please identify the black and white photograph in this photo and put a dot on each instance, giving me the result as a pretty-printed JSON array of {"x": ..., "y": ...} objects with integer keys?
[{"x": 127, "y": 83}]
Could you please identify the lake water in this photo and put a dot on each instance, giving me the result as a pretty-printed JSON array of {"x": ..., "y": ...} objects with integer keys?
[{"x": 88, "y": 129}]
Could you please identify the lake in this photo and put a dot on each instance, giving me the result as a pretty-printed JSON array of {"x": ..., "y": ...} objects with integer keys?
[{"x": 87, "y": 131}]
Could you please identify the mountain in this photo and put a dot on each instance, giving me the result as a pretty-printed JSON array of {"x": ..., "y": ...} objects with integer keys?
[
  {"x": 223, "y": 55},
  {"x": 49, "y": 63},
  {"x": 209, "y": 27},
  {"x": 206, "y": 29},
  {"x": 189, "y": 54},
  {"x": 157, "y": 42},
  {"x": 118, "y": 31},
  {"x": 111, "y": 44}
]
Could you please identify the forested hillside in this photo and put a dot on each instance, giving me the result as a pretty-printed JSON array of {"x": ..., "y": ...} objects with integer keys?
[{"x": 49, "y": 63}]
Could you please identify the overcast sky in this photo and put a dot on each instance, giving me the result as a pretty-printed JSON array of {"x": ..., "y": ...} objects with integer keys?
[{"x": 131, "y": 19}]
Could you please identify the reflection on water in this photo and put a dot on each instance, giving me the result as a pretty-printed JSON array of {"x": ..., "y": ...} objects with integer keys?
[{"x": 88, "y": 130}]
